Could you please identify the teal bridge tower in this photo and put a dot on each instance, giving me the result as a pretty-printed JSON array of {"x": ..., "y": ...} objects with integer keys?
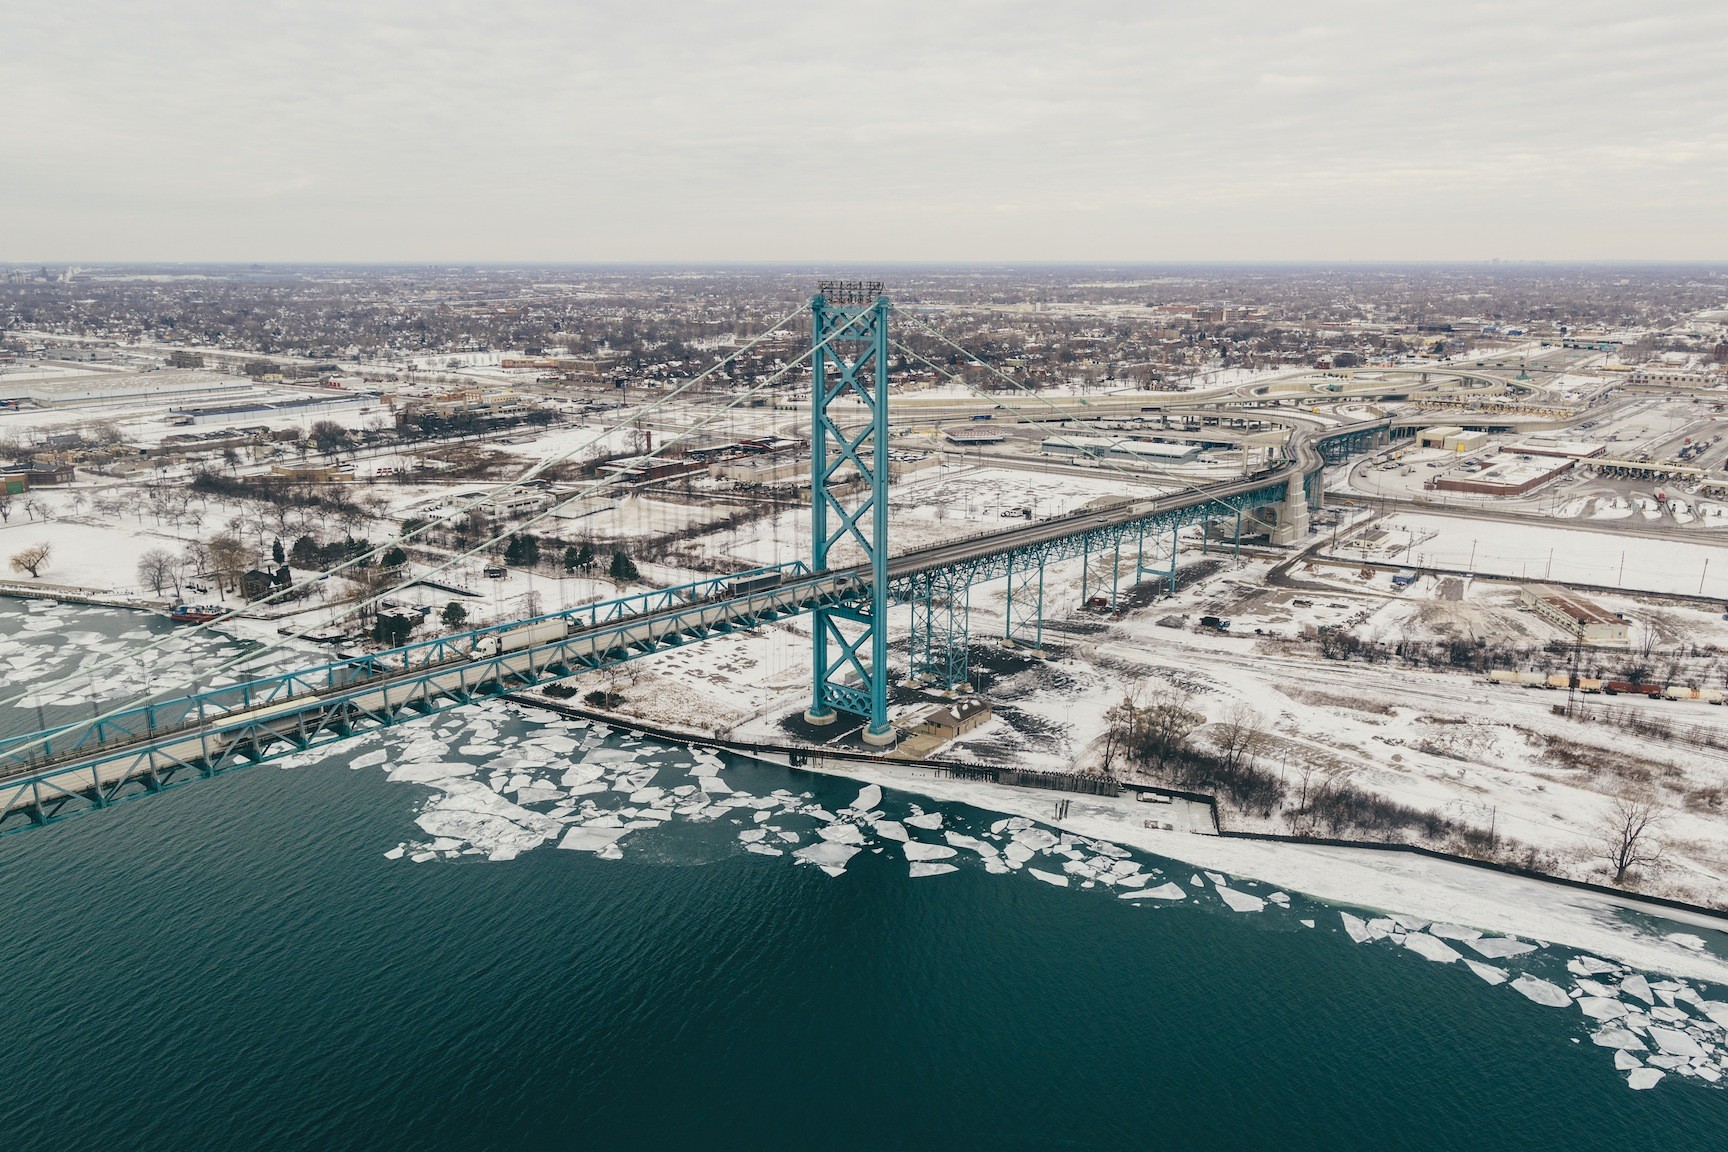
[{"x": 849, "y": 499}]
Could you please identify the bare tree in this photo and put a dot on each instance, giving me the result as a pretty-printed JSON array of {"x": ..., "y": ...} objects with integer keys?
[
  {"x": 1239, "y": 735},
  {"x": 195, "y": 558},
  {"x": 230, "y": 557},
  {"x": 157, "y": 569},
  {"x": 5, "y": 505},
  {"x": 1626, "y": 834},
  {"x": 1165, "y": 725},
  {"x": 33, "y": 559}
]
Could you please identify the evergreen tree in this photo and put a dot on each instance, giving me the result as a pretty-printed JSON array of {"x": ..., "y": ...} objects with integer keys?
[
  {"x": 454, "y": 615},
  {"x": 585, "y": 557},
  {"x": 276, "y": 552},
  {"x": 623, "y": 568},
  {"x": 572, "y": 559}
]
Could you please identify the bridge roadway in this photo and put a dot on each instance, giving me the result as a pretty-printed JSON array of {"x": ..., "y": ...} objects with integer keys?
[{"x": 40, "y": 783}]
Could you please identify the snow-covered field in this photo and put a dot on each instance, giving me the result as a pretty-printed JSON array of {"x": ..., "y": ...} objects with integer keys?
[{"x": 1538, "y": 552}]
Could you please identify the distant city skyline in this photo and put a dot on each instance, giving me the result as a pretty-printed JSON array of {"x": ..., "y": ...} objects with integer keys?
[{"x": 969, "y": 132}]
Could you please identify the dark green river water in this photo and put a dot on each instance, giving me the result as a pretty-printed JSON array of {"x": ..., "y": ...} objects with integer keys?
[{"x": 238, "y": 964}]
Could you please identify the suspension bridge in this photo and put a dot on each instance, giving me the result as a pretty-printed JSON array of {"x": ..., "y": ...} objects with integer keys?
[{"x": 847, "y": 587}]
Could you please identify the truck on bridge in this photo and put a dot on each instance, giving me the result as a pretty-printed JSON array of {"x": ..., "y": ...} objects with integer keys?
[{"x": 516, "y": 639}]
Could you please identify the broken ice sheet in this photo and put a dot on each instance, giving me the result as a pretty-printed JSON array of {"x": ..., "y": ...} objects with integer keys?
[
  {"x": 588, "y": 838},
  {"x": 827, "y": 854},
  {"x": 1542, "y": 992},
  {"x": 1240, "y": 901},
  {"x": 1487, "y": 971},
  {"x": 1431, "y": 948},
  {"x": 1499, "y": 947}
]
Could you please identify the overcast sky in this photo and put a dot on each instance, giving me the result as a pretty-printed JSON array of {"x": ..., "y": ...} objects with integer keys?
[{"x": 608, "y": 130}]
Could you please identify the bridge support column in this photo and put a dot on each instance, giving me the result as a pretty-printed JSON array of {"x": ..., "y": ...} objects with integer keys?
[
  {"x": 1024, "y": 614},
  {"x": 849, "y": 502},
  {"x": 1085, "y": 569},
  {"x": 941, "y": 631},
  {"x": 1292, "y": 526},
  {"x": 1115, "y": 573},
  {"x": 1175, "y": 539}
]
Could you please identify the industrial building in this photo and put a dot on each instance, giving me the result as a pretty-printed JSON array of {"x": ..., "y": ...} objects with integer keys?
[
  {"x": 1107, "y": 448},
  {"x": 1575, "y": 615},
  {"x": 24, "y": 477},
  {"x": 1668, "y": 374},
  {"x": 1508, "y": 475},
  {"x": 764, "y": 470},
  {"x": 517, "y": 502},
  {"x": 297, "y": 408},
  {"x": 314, "y": 473},
  {"x": 117, "y": 387},
  {"x": 972, "y": 435},
  {"x": 1452, "y": 439}
]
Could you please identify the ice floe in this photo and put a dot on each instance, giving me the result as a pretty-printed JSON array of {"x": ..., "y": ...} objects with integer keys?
[
  {"x": 1601, "y": 1008},
  {"x": 868, "y": 797},
  {"x": 1431, "y": 948},
  {"x": 1675, "y": 1042},
  {"x": 1539, "y": 990},
  {"x": 1055, "y": 878},
  {"x": 924, "y": 868},
  {"x": 841, "y": 833},
  {"x": 1166, "y": 891},
  {"x": 1499, "y": 947},
  {"x": 591, "y": 838},
  {"x": 829, "y": 855},
  {"x": 1614, "y": 1037},
  {"x": 1240, "y": 901},
  {"x": 1640, "y": 1079},
  {"x": 1487, "y": 971}
]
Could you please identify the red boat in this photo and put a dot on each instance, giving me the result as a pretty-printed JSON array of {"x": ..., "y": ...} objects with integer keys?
[{"x": 195, "y": 613}]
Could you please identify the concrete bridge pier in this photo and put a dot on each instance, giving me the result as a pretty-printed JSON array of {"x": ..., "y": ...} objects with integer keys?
[{"x": 1291, "y": 526}]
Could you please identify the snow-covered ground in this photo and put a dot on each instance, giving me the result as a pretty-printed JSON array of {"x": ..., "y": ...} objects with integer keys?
[{"x": 1539, "y": 552}]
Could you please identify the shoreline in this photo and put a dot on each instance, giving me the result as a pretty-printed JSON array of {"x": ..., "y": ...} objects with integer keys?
[{"x": 1386, "y": 877}]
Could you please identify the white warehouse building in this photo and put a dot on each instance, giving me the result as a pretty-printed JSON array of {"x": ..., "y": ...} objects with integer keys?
[{"x": 1111, "y": 448}]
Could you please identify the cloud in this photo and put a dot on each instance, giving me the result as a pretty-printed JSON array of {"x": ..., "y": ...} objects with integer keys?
[{"x": 966, "y": 130}]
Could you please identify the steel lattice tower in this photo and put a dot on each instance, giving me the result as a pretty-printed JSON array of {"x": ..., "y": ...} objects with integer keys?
[{"x": 849, "y": 500}]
